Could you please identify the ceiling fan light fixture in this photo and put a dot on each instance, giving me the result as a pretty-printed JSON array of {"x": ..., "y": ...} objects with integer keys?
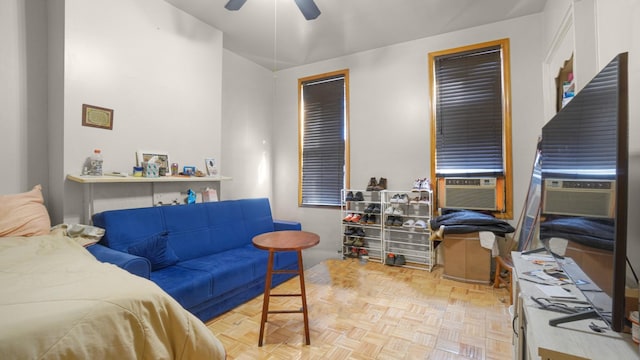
[
  {"x": 308, "y": 8},
  {"x": 234, "y": 4}
]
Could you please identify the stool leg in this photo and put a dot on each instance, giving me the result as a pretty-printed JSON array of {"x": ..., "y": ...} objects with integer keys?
[
  {"x": 496, "y": 278},
  {"x": 303, "y": 294},
  {"x": 267, "y": 293}
]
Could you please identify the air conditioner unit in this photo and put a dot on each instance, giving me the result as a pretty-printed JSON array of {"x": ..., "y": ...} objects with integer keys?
[
  {"x": 591, "y": 198},
  {"x": 470, "y": 193}
]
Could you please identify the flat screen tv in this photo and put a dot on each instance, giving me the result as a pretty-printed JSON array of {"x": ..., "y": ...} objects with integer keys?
[{"x": 583, "y": 217}]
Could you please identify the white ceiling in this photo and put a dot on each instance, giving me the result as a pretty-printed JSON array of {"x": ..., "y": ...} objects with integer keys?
[{"x": 274, "y": 34}]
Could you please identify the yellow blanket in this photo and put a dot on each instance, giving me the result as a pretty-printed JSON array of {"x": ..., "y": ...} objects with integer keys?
[{"x": 58, "y": 302}]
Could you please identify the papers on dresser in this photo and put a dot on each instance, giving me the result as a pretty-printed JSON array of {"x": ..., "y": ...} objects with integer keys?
[
  {"x": 546, "y": 277},
  {"x": 554, "y": 291}
]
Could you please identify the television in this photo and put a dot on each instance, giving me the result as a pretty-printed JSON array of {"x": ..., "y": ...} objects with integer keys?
[{"x": 583, "y": 219}]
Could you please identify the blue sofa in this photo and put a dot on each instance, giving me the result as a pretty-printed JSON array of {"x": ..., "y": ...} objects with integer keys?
[{"x": 200, "y": 254}]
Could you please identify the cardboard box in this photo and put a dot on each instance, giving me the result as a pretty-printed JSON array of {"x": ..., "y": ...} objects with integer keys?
[{"x": 465, "y": 260}]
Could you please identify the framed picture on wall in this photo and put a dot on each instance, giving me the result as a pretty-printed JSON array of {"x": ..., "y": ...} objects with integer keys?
[{"x": 96, "y": 116}]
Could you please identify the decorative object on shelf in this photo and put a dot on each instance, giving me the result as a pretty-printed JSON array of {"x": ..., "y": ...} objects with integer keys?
[
  {"x": 212, "y": 167},
  {"x": 209, "y": 195},
  {"x": 96, "y": 116},
  {"x": 137, "y": 171},
  {"x": 189, "y": 170},
  {"x": 150, "y": 169},
  {"x": 158, "y": 157}
]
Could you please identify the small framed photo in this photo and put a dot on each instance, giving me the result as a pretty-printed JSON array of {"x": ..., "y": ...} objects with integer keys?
[
  {"x": 189, "y": 170},
  {"x": 158, "y": 157},
  {"x": 212, "y": 167},
  {"x": 95, "y": 116}
]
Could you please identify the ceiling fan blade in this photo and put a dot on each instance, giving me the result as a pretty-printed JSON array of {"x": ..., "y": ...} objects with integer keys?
[
  {"x": 234, "y": 4},
  {"x": 308, "y": 9}
]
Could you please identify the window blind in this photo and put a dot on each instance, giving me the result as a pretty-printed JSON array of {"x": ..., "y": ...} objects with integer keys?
[
  {"x": 323, "y": 144},
  {"x": 469, "y": 113}
]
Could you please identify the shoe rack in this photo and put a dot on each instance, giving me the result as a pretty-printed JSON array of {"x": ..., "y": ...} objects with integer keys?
[
  {"x": 361, "y": 224},
  {"x": 380, "y": 223},
  {"x": 405, "y": 228}
]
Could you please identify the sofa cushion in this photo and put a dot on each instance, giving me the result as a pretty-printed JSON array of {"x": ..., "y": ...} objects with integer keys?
[
  {"x": 190, "y": 287},
  {"x": 156, "y": 250}
]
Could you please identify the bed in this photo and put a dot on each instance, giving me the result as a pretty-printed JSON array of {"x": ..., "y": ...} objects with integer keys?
[{"x": 58, "y": 302}]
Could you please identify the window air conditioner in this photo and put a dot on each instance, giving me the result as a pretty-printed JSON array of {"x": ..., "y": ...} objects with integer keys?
[
  {"x": 592, "y": 198},
  {"x": 470, "y": 193}
]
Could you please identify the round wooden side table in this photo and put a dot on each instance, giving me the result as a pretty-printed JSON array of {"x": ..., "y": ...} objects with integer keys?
[{"x": 285, "y": 241}]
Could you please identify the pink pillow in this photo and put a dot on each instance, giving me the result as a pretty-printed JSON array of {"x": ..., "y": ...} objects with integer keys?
[{"x": 24, "y": 214}]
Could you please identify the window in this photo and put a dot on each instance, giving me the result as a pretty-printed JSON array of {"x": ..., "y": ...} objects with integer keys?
[
  {"x": 323, "y": 138},
  {"x": 471, "y": 116}
]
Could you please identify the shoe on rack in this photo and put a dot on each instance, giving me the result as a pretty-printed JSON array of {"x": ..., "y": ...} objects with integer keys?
[
  {"x": 353, "y": 253},
  {"x": 398, "y": 211},
  {"x": 364, "y": 252},
  {"x": 349, "y": 231},
  {"x": 364, "y": 219},
  {"x": 355, "y": 218},
  {"x": 415, "y": 200},
  {"x": 403, "y": 199},
  {"x": 420, "y": 224},
  {"x": 397, "y": 221},
  {"x": 389, "y": 221},
  {"x": 349, "y": 196},
  {"x": 372, "y": 219},
  {"x": 372, "y": 184},
  {"x": 390, "y": 259},
  {"x": 369, "y": 208},
  {"x": 408, "y": 224},
  {"x": 348, "y": 241},
  {"x": 382, "y": 184},
  {"x": 359, "y": 242},
  {"x": 358, "y": 196},
  {"x": 399, "y": 260},
  {"x": 425, "y": 185},
  {"x": 394, "y": 199},
  {"x": 389, "y": 210},
  {"x": 416, "y": 185},
  {"x": 359, "y": 232},
  {"x": 348, "y": 217},
  {"x": 423, "y": 200},
  {"x": 376, "y": 209}
]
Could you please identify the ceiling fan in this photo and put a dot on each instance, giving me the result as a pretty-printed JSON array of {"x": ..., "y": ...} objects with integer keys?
[{"x": 307, "y": 7}]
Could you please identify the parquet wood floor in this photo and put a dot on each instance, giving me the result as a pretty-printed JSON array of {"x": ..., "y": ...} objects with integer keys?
[{"x": 373, "y": 311}]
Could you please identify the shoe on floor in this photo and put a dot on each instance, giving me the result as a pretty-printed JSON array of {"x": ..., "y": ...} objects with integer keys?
[
  {"x": 390, "y": 260},
  {"x": 399, "y": 260}
]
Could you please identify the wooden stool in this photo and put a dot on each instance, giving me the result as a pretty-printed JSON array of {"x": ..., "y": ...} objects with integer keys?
[
  {"x": 505, "y": 264},
  {"x": 285, "y": 241}
]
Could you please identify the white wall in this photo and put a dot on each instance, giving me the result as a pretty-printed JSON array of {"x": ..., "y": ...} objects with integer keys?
[
  {"x": 23, "y": 85},
  {"x": 247, "y": 113},
  {"x": 389, "y": 118},
  {"x": 160, "y": 70}
]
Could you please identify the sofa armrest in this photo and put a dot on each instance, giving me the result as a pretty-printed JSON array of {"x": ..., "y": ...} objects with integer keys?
[
  {"x": 280, "y": 225},
  {"x": 134, "y": 264}
]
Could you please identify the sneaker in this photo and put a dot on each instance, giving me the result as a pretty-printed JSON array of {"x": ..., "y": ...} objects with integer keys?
[
  {"x": 403, "y": 199},
  {"x": 397, "y": 221},
  {"x": 394, "y": 198},
  {"x": 417, "y": 185},
  {"x": 355, "y": 218},
  {"x": 371, "y": 219},
  {"x": 369, "y": 208},
  {"x": 349, "y": 231},
  {"x": 389, "y": 210},
  {"x": 389, "y": 221},
  {"x": 399, "y": 260},
  {"x": 390, "y": 260},
  {"x": 348, "y": 218},
  {"x": 415, "y": 200},
  {"x": 354, "y": 252},
  {"x": 359, "y": 232},
  {"x": 349, "y": 196},
  {"x": 359, "y": 242},
  {"x": 376, "y": 209},
  {"x": 358, "y": 196},
  {"x": 372, "y": 184},
  {"x": 348, "y": 241},
  {"x": 364, "y": 252},
  {"x": 420, "y": 224},
  {"x": 425, "y": 185},
  {"x": 408, "y": 224},
  {"x": 423, "y": 200},
  {"x": 364, "y": 219},
  {"x": 398, "y": 211}
]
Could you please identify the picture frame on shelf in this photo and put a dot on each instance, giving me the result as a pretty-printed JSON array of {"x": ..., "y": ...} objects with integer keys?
[
  {"x": 96, "y": 116},
  {"x": 159, "y": 157},
  {"x": 211, "y": 166}
]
